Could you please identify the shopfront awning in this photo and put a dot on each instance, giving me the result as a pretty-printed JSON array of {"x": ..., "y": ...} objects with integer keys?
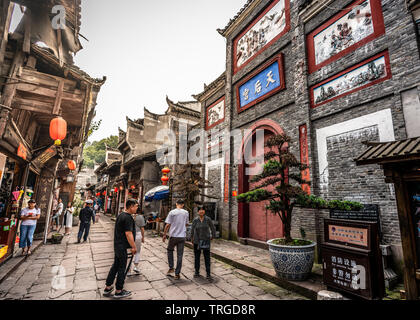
[{"x": 156, "y": 194}]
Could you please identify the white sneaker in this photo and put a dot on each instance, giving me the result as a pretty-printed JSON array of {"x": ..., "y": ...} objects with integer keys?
[{"x": 136, "y": 270}]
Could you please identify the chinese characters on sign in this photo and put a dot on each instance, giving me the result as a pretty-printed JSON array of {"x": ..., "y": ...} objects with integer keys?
[
  {"x": 358, "y": 236},
  {"x": 261, "y": 85},
  {"x": 22, "y": 151},
  {"x": 304, "y": 156},
  {"x": 344, "y": 272}
]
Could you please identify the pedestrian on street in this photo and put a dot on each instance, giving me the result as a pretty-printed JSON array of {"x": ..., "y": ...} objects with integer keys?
[
  {"x": 140, "y": 223},
  {"x": 68, "y": 218},
  {"x": 86, "y": 214},
  {"x": 176, "y": 223},
  {"x": 57, "y": 214},
  {"x": 29, "y": 217},
  {"x": 124, "y": 238},
  {"x": 202, "y": 233}
]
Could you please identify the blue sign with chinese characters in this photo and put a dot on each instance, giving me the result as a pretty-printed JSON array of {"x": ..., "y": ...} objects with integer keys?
[{"x": 260, "y": 85}]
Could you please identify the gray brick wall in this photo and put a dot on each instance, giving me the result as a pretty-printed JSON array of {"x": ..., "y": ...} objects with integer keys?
[{"x": 290, "y": 107}]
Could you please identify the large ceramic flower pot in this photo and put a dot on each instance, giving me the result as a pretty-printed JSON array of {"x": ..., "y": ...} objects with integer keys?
[{"x": 292, "y": 262}]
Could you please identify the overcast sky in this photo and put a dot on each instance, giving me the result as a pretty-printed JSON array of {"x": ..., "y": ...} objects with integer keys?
[{"x": 150, "y": 49}]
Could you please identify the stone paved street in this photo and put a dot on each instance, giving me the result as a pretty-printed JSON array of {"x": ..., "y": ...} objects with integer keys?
[{"x": 71, "y": 271}]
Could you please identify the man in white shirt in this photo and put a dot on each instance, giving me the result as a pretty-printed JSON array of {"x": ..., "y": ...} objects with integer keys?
[{"x": 176, "y": 223}]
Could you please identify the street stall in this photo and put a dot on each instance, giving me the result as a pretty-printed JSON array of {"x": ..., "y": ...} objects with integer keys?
[
  {"x": 156, "y": 206},
  {"x": 13, "y": 177}
]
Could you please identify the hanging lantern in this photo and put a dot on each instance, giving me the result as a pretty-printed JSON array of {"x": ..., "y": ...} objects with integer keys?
[
  {"x": 165, "y": 180},
  {"x": 116, "y": 190},
  {"x": 104, "y": 193},
  {"x": 71, "y": 165},
  {"x": 121, "y": 188},
  {"x": 234, "y": 193},
  {"x": 58, "y": 130}
]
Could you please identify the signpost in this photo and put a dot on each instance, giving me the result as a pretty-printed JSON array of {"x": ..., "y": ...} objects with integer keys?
[
  {"x": 351, "y": 258},
  {"x": 44, "y": 157}
]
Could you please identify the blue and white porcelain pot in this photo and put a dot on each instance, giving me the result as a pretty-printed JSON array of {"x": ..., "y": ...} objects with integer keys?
[{"x": 292, "y": 262}]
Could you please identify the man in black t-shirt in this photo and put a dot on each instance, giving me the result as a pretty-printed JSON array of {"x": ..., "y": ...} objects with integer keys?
[{"x": 124, "y": 237}]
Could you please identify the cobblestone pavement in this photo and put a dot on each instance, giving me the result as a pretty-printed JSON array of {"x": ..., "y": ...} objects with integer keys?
[{"x": 72, "y": 271}]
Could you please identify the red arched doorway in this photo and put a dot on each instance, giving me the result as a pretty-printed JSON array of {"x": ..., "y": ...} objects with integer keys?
[{"x": 253, "y": 220}]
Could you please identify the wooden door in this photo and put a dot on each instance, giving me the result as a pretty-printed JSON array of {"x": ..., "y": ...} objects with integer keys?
[{"x": 263, "y": 225}]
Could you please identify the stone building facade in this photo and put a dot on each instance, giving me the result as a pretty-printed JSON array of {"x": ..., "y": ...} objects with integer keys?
[
  {"x": 329, "y": 74},
  {"x": 140, "y": 170}
]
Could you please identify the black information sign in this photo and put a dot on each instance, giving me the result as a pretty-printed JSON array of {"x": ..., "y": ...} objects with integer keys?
[
  {"x": 351, "y": 258},
  {"x": 370, "y": 212}
]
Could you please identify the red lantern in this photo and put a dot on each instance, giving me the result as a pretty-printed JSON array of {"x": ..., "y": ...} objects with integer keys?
[
  {"x": 166, "y": 171},
  {"x": 71, "y": 165},
  {"x": 104, "y": 193},
  {"x": 235, "y": 193},
  {"x": 116, "y": 190},
  {"x": 165, "y": 180},
  {"x": 133, "y": 187},
  {"x": 58, "y": 130}
]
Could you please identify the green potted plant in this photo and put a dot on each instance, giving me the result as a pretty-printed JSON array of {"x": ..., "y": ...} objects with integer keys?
[
  {"x": 292, "y": 258},
  {"x": 56, "y": 238}
]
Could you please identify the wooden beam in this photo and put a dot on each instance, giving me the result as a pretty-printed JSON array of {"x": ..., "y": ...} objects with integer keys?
[
  {"x": 6, "y": 14},
  {"x": 418, "y": 274},
  {"x": 46, "y": 80},
  {"x": 58, "y": 99},
  {"x": 77, "y": 96},
  {"x": 31, "y": 63},
  {"x": 32, "y": 107},
  {"x": 27, "y": 38}
]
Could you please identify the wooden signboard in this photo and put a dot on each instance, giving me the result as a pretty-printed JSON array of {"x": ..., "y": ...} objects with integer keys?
[
  {"x": 351, "y": 258},
  {"x": 44, "y": 157},
  {"x": 370, "y": 212}
]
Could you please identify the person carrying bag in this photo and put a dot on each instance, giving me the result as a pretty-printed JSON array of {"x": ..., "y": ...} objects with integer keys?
[{"x": 202, "y": 232}]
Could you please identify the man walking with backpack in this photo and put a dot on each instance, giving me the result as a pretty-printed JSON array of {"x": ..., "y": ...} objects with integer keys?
[{"x": 176, "y": 223}]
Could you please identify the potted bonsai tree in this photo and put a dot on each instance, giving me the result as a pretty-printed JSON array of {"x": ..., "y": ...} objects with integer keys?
[{"x": 292, "y": 258}]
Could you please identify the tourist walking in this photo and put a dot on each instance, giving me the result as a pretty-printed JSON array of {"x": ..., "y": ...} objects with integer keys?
[
  {"x": 86, "y": 214},
  {"x": 68, "y": 218},
  {"x": 202, "y": 232},
  {"x": 57, "y": 214},
  {"x": 139, "y": 223},
  {"x": 29, "y": 217},
  {"x": 124, "y": 238},
  {"x": 176, "y": 223}
]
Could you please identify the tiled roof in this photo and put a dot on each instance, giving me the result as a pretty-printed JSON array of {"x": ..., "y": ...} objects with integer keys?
[
  {"x": 212, "y": 85},
  {"x": 391, "y": 152},
  {"x": 231, "y": 21},
  {"x": 74, "y": 70}
]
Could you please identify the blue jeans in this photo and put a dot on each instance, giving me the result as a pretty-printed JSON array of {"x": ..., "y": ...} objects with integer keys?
[
  {"x": 26, "y": 236},
  {"x": 84, "y": 228}
]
